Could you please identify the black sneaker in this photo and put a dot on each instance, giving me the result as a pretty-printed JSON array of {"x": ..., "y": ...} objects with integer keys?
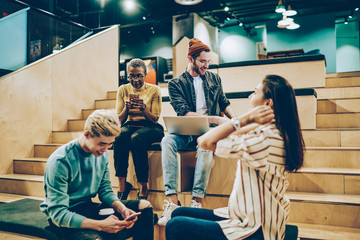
[
  {"x": 142, "y": 197},
  {"x": 124, "y": 195}
]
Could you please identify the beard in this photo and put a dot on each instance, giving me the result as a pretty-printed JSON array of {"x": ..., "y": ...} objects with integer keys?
[{"x": 196, "y": 69}]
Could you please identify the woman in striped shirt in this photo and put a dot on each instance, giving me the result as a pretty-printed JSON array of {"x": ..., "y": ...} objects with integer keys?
[{"x": 258, "y": 207}]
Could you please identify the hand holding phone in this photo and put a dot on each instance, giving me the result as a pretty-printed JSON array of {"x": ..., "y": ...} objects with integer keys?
[
  {"x": 133, "y": 96},
  {"x": 132, "y": 216}
]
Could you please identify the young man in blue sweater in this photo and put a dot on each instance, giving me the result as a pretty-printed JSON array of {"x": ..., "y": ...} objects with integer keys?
[{"x": 77, "y": 172}]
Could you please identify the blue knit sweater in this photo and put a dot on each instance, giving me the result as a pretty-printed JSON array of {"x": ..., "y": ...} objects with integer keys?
[{"x": 73, "y": 176}]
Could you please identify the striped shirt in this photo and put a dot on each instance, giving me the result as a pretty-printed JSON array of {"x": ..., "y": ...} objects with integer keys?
[{"x": 258, "y": 197}]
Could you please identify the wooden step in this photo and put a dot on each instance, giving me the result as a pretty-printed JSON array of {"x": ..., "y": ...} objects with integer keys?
[
  {"x": 45, "y": 150},
  {"x": 332, "y": 157},
  {"x": 76, "y": 125},
  {"x": 86, "y": 113},
  {"x": 325, "y": 209},
  {"x": 33, "y": 166},
  {"x": 64, "y": 137},
  {"x": 23, "y": 184},
  {"x": 8, "y": 197},
  {"x": 343, "y": 74},
  {"x": 312, "y": 208},
  {"x": 332, "y": 82},
  {"x": 338, "y": 105},
  {"x": 324, "y": 232},
  {"x": 338, "y": 120},
  {"x": 338, "y": 93},
  {"x": 105, "y": 104},
  {"x": 332, "y": 137},
  {"x": 111, "y": 95},
  {"x": 325, "y": 180}
]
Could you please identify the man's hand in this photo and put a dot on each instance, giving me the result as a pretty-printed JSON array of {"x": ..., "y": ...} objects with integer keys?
[
  {"x": 112, "y": 224},
  {"x": 127, "y": 212}
]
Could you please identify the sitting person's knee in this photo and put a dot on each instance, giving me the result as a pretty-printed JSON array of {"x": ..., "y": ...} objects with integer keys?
[
  {"x": 176, "y": 212},
  {"x": 144, "y": 204}
]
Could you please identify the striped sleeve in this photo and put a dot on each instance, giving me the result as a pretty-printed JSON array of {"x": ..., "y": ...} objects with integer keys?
[{"x": 252, "y": 149}]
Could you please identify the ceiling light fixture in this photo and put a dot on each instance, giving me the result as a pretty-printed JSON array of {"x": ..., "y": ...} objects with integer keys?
[
  {"x": 226, "y": 9},
  {"x": 280, "y": 8},
  {"x": 293, "y": 26},
  {"x": 102, "y": 3},
  {"x": 285, "y": 22},
  {"x": 188, "y": 2},
  {"x": 356, "y": 9},
  {"x": 290, "y": 12},
  {"x": 346, "y": 21}
]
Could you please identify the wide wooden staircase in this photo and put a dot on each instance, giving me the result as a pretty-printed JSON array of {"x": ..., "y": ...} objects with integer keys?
[{"x": 325, "y": 193}]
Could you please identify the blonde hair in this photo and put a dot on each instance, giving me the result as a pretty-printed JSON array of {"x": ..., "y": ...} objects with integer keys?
[{"x": 103, "y": 122}]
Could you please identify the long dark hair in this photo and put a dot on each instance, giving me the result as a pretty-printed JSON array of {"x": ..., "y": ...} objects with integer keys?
[{"x": 287, "y": 118}]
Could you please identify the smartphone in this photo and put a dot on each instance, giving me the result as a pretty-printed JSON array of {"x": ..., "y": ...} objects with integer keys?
[
  {"x": 133, "y": 96},
  {"x": 132, "y": 216}
]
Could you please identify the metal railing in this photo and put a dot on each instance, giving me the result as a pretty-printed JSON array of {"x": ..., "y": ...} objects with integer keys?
[{"x": 45, "y": 32}]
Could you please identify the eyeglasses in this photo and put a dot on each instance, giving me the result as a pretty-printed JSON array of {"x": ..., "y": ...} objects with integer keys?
[
  {"x": 203, "y": 62},
  {"x": 139, "y": 76}
]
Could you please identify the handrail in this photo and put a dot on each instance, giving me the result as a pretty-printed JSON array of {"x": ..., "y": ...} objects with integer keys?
[
  {"x": 81, "y": 38},
  {"x": 51, "y": 14},
  {"x": 43, "y": 34}
]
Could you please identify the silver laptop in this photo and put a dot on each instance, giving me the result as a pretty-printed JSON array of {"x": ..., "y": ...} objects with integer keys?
[{"x": 192, "y": 125}]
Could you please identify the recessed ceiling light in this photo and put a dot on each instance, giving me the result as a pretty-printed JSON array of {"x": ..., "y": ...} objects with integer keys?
[
  {"x": 188, "y": 2},
  {"x": 129, "y": 6}
]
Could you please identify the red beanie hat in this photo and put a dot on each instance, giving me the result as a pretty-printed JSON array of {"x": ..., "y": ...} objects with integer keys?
[{"x": 195, "y": 46}]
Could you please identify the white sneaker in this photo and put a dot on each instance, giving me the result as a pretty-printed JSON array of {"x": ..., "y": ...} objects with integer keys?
[
  {"x": 169, "y": 207},
  {"x": 195, "y": 204}
]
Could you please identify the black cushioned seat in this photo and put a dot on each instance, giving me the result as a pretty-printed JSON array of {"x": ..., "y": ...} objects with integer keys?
[{"x": 24, "y": 217}]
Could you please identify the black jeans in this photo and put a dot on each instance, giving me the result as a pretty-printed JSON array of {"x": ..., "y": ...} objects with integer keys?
[
  {"x": 137, "y": 140},
  {"x": 196, "y": 223},
  {"x": 142, "y": 230}
]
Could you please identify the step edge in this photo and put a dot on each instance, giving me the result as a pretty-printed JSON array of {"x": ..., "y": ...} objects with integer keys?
[
  {"x": 324, "y": 198},
  {"x": 333, "y": 171}
]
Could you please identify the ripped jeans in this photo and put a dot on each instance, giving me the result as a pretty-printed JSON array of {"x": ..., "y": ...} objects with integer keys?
[
  {"x": 142, "y": 230},
  {"x": 170, "y": 145}
]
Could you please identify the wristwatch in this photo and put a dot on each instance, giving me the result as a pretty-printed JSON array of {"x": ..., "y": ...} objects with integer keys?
[
  {"x": 236, "y": 123},
  {"x": 142, "y": 108}
]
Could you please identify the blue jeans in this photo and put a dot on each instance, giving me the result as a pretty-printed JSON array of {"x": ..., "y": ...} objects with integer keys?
[
  {"x": 195, "y": 223},
  {"x": 170, "y": 144}
]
